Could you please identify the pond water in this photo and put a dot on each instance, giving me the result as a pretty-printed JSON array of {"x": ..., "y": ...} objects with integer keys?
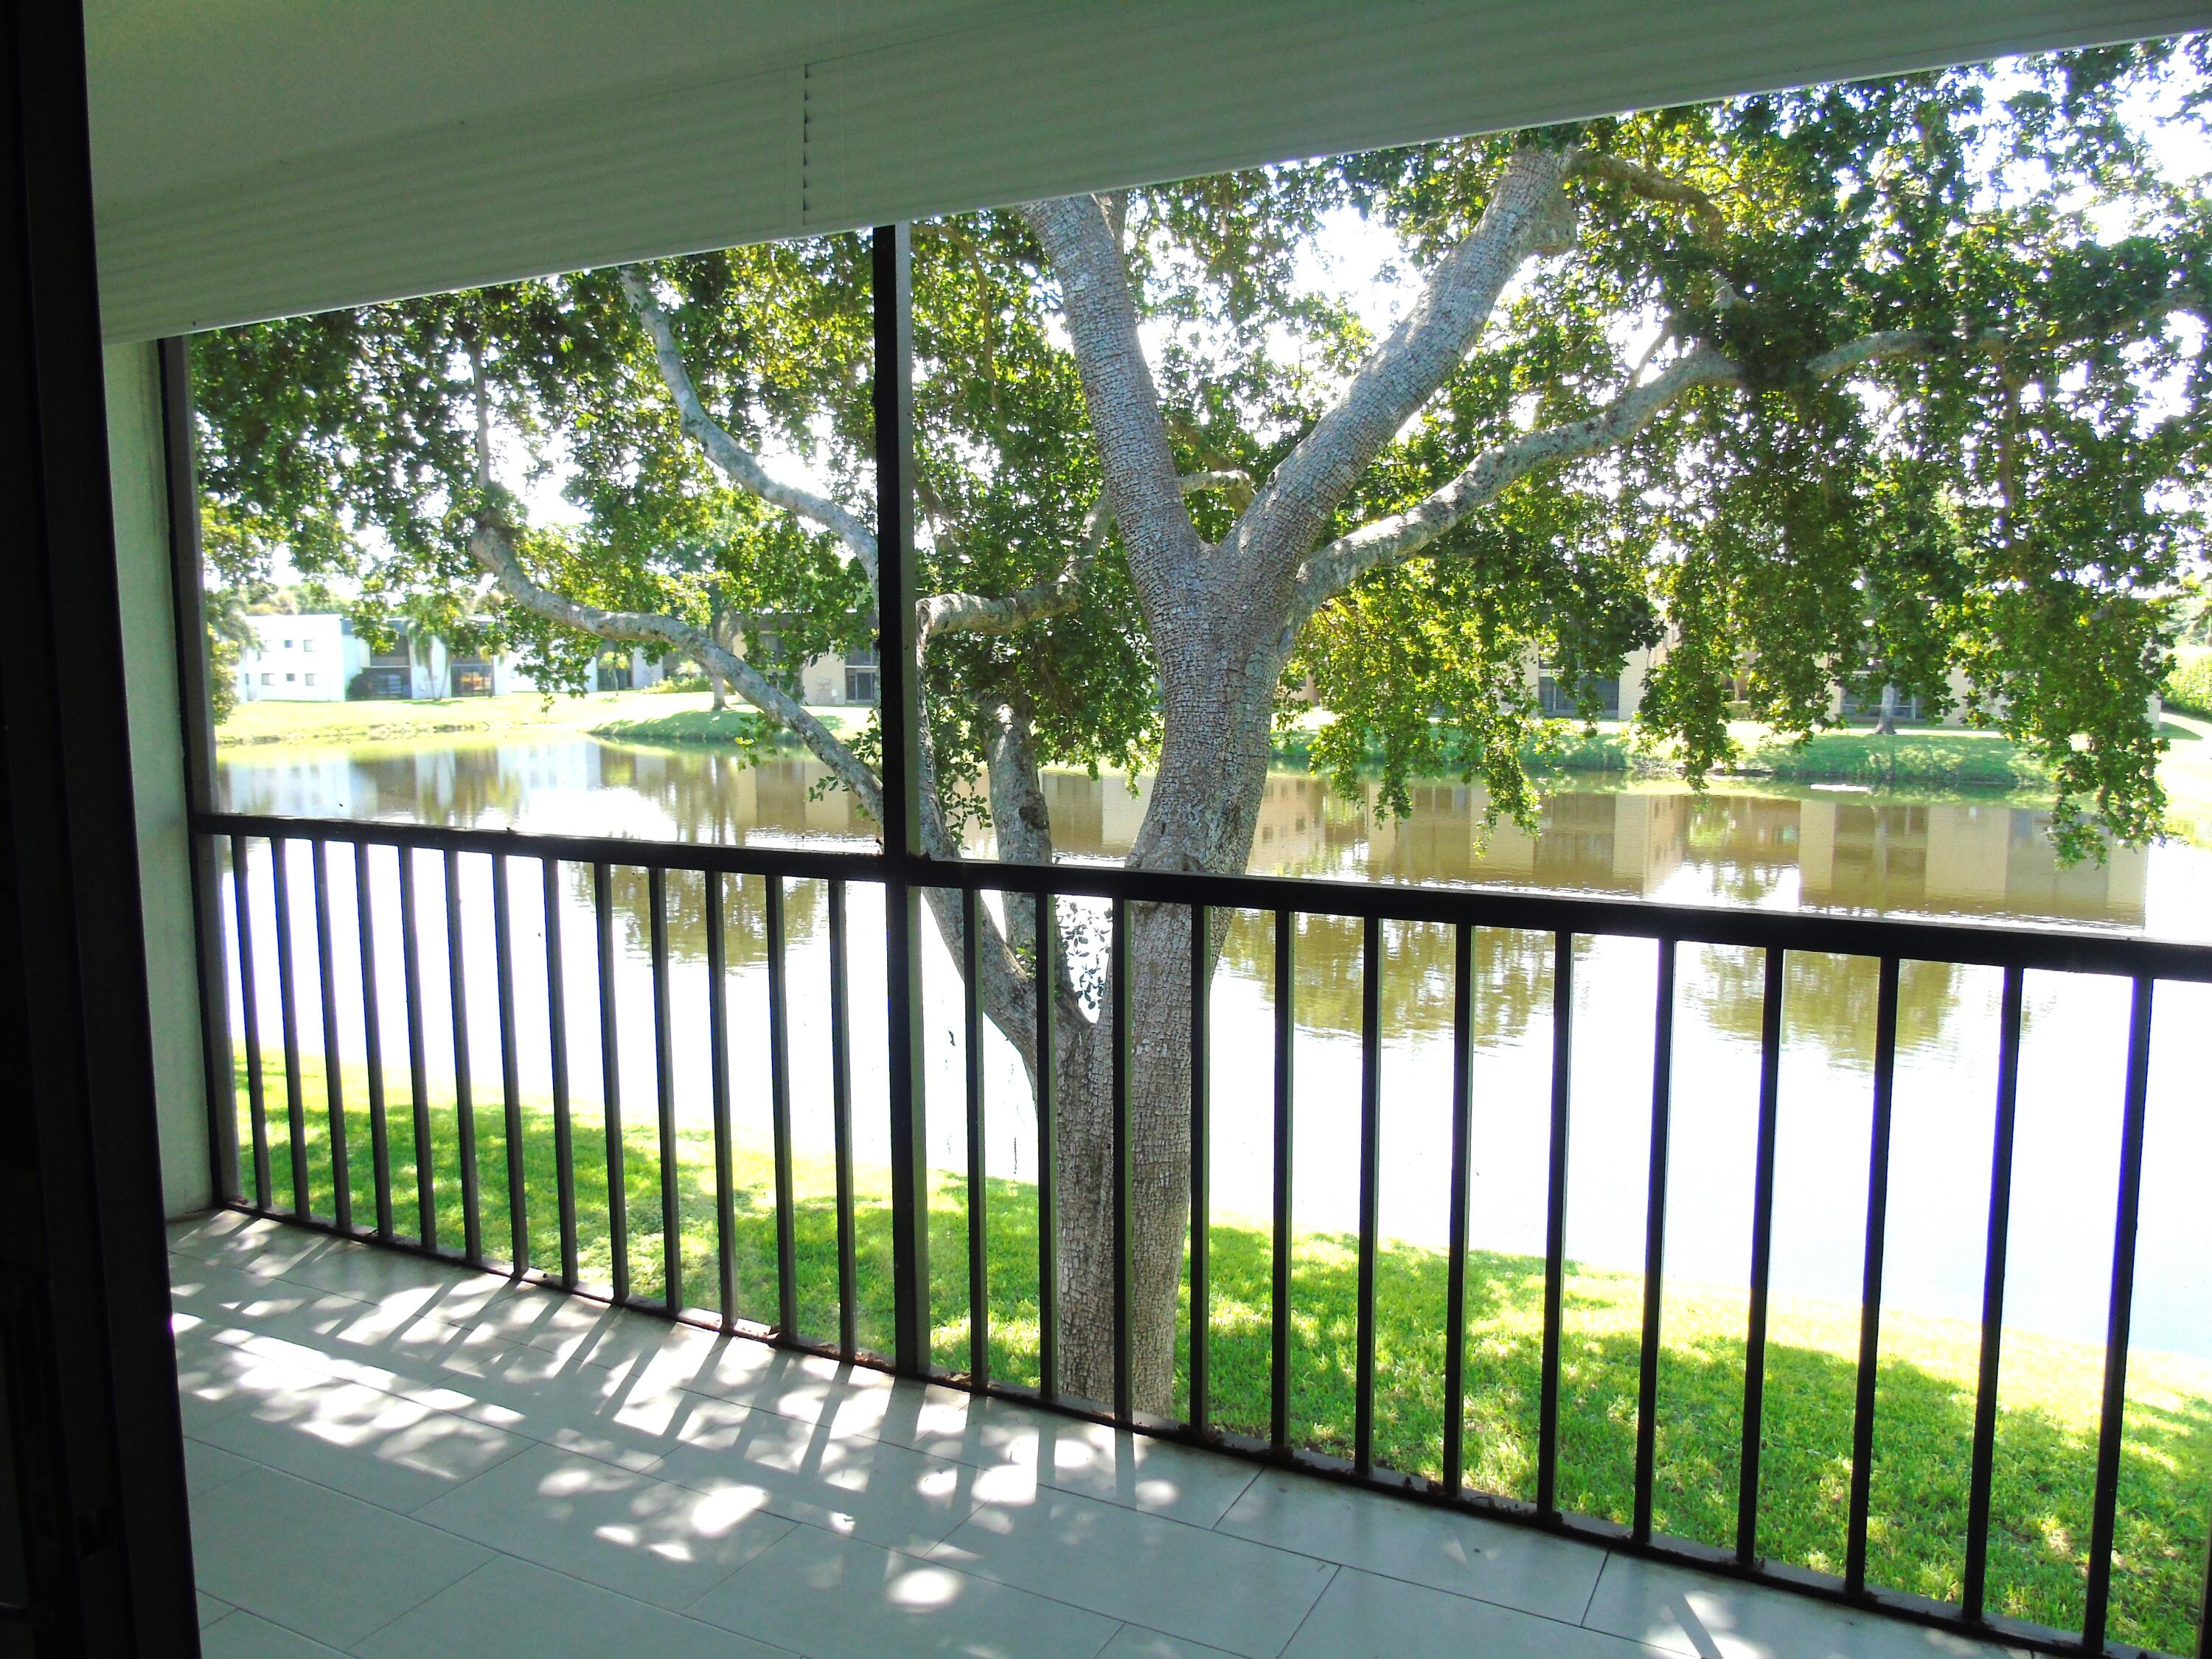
[{"x": 1813, "y": 848}]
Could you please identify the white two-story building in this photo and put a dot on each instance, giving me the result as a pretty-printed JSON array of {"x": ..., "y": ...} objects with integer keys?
[
  {"x": 320, "y": 658},
  {"x": 300, "y": 659}
]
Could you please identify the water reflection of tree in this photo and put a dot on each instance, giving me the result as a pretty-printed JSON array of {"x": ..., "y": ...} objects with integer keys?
[
  {"x": 1826, "y": 1000},
  {"x": 745, "y": 911},
  {"x": 1748, "y": 844},
  {"x": 461, "y": 785},
  {"x": 1512, "y": 974},
  {"x": 723, "y": 798}
]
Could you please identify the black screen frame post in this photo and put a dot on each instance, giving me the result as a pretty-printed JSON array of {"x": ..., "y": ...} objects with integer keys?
[
  {"x": 899, "y": 689},
  {"x": 95, "y": 1442}
]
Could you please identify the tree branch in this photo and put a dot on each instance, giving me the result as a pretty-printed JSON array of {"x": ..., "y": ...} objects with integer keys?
[
  {"x": 1397, "y": 537},
  {"x": 739, "y": 464},
  {"x": 1399, "y": 375},
  {"x": 1390, "y": 540},
  {"x": 491, "y": 547},
  {"x": 1118, "y": 392},
  {"x": 1653, "y": 186},
  {"x": 1006, "y": 613}
]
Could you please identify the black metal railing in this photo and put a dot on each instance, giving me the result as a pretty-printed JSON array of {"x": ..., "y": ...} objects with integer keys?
[{"x": 2014, "y": 951}]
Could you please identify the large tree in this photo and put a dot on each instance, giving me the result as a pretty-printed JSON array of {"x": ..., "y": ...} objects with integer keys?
[{"x": 1855, "y": 386}]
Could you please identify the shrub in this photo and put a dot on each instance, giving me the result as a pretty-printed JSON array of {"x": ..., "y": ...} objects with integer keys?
[{"x": 2189, "y": 686}]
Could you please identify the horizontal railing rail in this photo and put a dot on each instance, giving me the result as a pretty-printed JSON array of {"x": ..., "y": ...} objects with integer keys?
[
  {"x": 1889, "y": 944},
  {"x": 2055, "y": 949}
]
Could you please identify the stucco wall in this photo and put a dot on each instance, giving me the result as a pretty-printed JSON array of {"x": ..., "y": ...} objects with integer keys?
[{"x": 157, "y": 769}]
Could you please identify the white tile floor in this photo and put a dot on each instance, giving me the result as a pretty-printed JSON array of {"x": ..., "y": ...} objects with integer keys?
[{"x": 390, "y": 1458}]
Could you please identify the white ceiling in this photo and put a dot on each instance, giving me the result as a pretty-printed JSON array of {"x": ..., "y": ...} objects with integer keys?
[
  {"x": 253, "y": 158},
  {"x": 189, "y": 92}
]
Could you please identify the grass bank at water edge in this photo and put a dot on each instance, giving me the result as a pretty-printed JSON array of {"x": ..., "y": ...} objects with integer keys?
[
  {"x": 1923, "y": 757},
  {"x": 2048, "y": 1402}
]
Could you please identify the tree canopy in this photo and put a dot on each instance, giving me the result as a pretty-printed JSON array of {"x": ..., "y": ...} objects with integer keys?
[{"x": 1891, "y": 379}]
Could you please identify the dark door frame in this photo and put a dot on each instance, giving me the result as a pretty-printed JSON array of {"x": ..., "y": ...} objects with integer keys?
[{"x": 101, "y": 1561}]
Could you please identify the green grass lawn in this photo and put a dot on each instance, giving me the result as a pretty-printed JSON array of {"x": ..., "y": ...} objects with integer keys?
[
  {"x": 2186, "y": 772},
  {"x": 2046, "y": 1437},
  {"x": 1918, "y": 757},
  {"x": 1932, "y": 757},
  {"x": 637, "y": 716},
  {"x": 731, "y": 727}
]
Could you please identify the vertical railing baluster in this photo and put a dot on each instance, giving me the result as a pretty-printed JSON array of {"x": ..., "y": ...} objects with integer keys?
[
  {"x": 510, "y": 1069},
  {"x": 1884, "y": 1090},
  {"x": 556, "y": 1039},
  {"x": 840, "y": 1125},
  {"x": 779, "y": 1095},
  {"x": 1762, "y": 1256},
  {"x": 2119, "y": 1314},
  {"x": 1370, "y": 1190},
  {"x": 1654, "y": 1237},
  {"x": 1047, "y": 1155},
  {"x": 718, "y": 1057},
  {"x": 1286, "y": 968},
  {"x": 465, "y": 1105},
  {"x": 1555, "y": 1224},
  {"x": 1462, "y": 1156},
  {"x": 1201, "y": 1167},
  {"x": 410, "y": 964},
  {"x": 288, "y": 1005},
  {"x": 333, "y": 1083},
  {"x": 371, "y": 1040},
  {"x": 1124, "y": 1381},
  {"x": 971, "y": 1030},
  {"x": 664, "y": 1084},
  {"x": 1983, "y": 1476},
  {"x": 257, "y": 1104},
  {"x": 603, "y": 917}
]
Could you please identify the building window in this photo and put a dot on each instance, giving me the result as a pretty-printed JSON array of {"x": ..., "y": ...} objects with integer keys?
[
  {"x": 311, "y": 679},
  {"x": 1559, "y": 701},
  {"x": 288, "y": 645},
  {"x": 861, "y": 674},
  {"x": 269, "y": 679},
  {"x": 1866, "y": 708},
  {"x": 306, "y": 645},
  {"x": 289, "y": 678}
]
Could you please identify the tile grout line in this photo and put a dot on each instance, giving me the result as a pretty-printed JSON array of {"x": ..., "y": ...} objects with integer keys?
[
  {"x": 1326, "y": 1585},
  {"x": 493, "y": 1552},
  {"x": 1231, "y": 1509},
  {"x": 1464, "y": 1595},
  {"x": 496, "y": 1553},
  {"x": 1598, "y": 1579},
  {"x": 527, "y": 1441},
  {"x": 920, "y": 1559},
  {"x": 371, "y": 1636}
]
